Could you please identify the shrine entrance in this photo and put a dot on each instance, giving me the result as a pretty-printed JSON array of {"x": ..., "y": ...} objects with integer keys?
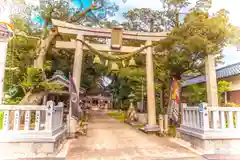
[{"x": 116, "y": 35}]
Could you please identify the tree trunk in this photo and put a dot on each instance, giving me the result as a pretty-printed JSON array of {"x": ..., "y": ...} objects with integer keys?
[
  {"x": 42, "y": 50},
  {"x": 31, "y": 98}
]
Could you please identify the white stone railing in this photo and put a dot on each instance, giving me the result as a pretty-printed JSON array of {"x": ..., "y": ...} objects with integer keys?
[
  {"x": 221, "y": 122},
  {"x": 38, "y": 121}
]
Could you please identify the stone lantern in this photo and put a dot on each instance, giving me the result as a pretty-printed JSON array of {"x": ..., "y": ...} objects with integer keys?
[{"x": 131, "y": 113}]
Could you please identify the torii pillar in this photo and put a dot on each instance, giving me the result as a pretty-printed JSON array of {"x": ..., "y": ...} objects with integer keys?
[
  {"x": 212, "y": 88},
  {"x": 77, "y": 71},
  {"x": 151, "y": 103},
  {"x": 211, "y": 81}
]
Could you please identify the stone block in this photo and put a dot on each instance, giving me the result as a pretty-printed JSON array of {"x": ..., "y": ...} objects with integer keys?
[
  {"x": 41, "y": 147},
  {"x": 212, "y": 146},
  {"x": 142, "y": 118}
]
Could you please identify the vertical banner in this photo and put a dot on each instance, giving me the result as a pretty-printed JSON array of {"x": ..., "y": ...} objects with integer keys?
[
  {"x": 74, "y": 99},
  {"x": 174, "y": 102}
]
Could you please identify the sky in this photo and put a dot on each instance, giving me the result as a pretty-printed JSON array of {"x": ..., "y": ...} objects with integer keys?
[{"x": 231, "y": 55}]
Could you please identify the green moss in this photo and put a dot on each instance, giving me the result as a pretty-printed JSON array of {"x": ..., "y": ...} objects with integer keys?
[
  {"x": 139, "y": 126},
  {"x": 117, "y": 115},
  {"x": 172, "y": 131},
  {"x": 1, "y": 120}
]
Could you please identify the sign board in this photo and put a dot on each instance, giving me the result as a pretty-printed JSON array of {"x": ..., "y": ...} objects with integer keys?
[{"x": 201, "y": 107}]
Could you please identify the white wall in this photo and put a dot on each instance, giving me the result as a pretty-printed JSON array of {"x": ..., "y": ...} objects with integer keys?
[{"x": 235, "y": 80}]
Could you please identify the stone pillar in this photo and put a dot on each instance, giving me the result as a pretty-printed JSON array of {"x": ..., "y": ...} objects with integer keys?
[
  {"x": 151, "y": 126},
  {"x": 3, "y": 54},
  {"x": 161, "y": 125},
  {"x": 77, "y": 70},
  {"x": 4, "y": 17},
  {"x": 211, "y": 81}
]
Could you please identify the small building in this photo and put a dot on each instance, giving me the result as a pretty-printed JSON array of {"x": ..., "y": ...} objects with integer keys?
[
  {"x": 230, "y": 73},
  {"x": 63, "y": 94}
]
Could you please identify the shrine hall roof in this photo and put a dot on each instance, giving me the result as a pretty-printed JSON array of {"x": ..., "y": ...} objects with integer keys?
[
  {"x": 5, "y": 31},
  {"x": 224, "y": 72}
]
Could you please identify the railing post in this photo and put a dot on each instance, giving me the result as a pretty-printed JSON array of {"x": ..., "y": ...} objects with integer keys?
[
  {"x": 215, "y": 119},
  {"x": 16, "y": 120},
  {"x": 6, "y": 121},
  {"x": 49, "y": 113},
  {"x": 190, "y": 118},
  {"x": 61, "y": 104},
  {"x": 198, "y": 119},
  {"x": 230, "y": 120},
  {"x": 222, "y": 120},
  {"x": 27, "y": 120},
  {"x": 37, "y": 120},
  {"x": 184, "y": 105},
  {"x": 187, "y": 117},
  {"x": 194, "y": 116},
  {"x": 238, "y": 119},
  {"x": 204, "y": 117}
]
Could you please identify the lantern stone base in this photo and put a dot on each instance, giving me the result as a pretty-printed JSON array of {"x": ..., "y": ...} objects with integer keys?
[
  {"x": 142, "y": 118},
  {"x": 210, "y": 144},
  {"x": 150, "y": 129}
]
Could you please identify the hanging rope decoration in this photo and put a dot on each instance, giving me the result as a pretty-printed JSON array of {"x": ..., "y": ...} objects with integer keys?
[
  {"x": 96, "y": 60},
  {"x": 132, "y": 62},
  {"x": 114, "y": 66},
  {"x": 123, "y": 63},
  {"x": 106, "y": 63},
  {"x": 114, "y": 57}
]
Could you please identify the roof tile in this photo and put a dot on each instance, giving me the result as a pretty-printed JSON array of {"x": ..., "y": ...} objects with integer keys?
[{"x": 224, "y": 72}]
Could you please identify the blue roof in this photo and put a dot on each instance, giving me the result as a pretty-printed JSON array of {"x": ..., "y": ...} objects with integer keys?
[{"x": 224, "y": 72}]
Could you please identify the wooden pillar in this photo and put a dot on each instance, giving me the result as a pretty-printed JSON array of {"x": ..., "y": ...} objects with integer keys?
[
  {"x": 150, "y": 90},
  {"x": 3, "y": 54},
  {"x": 211, "y": 81},
  {"x": 77, "y": 70}
]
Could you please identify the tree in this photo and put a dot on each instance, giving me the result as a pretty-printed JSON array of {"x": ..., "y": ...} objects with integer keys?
[
  {"x": 198, "y": 36},
  {"x": 196, "y": 93},
  {"x": 138, "y": 20},
  {"x": 34, "y": 42}
]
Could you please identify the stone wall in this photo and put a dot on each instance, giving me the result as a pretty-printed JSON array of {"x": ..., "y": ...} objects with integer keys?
[
  {"x": 39, "y": 147},
  {"x": 212, "y": 146}
]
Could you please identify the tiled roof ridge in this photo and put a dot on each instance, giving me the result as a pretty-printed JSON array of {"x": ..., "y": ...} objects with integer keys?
[
  {"x": 224, "y": 72},
  {"x": 219, "y": 69},
  {"x": 227, "y": 66}
]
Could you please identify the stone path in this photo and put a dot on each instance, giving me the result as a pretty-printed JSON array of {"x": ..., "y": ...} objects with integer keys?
[{"x": 109, "y": 139}]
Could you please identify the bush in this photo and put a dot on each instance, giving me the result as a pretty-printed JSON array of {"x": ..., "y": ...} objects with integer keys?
[
  {"x": 1, "y": 120},
  {"x": 231, "y": 104}
]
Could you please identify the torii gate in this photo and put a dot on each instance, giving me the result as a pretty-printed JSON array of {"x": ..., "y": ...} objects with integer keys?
[
  {"x": 116, "y": 35},
  {"x": 116, "y": 46}
]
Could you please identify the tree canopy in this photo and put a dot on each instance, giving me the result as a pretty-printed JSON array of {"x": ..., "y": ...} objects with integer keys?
[{"x": 186, "y": 45}]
